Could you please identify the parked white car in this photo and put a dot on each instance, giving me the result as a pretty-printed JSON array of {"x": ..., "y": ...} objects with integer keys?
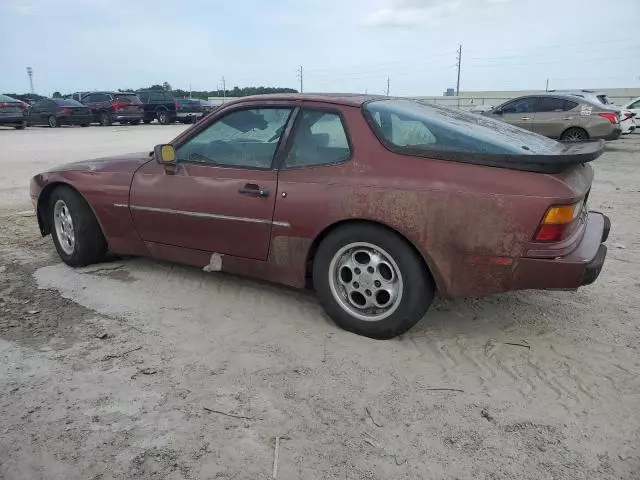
[
  {"x": 634, "y": 106},
  {"x": 627, "y": 121}
]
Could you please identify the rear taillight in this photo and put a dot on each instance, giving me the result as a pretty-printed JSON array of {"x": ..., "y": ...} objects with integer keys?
[
  {"x": 612, "y": 117},
  {"x": 177, "y": 105},
  {"x": 556, "y": 222},
  {"x": 24, "y": 105},
  {"x": 65, "y": 111},
  {"x": 2, "y": 105},
  {"x": 118, "y": 105}
]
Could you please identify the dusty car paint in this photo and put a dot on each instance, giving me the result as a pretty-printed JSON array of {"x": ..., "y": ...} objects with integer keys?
[{"x": 473, "y": 225}]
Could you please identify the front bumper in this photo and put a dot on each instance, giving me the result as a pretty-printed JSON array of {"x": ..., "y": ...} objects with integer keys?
[{"x": 580, "y": 267}]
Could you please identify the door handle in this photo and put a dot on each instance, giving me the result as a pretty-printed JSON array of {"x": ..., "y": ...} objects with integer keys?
[
  {"x": 525, "y": 118},
  {"x": 253, "y": 190}
]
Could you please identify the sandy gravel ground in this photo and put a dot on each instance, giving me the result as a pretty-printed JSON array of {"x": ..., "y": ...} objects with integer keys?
[{"x": 135, "y": 369}]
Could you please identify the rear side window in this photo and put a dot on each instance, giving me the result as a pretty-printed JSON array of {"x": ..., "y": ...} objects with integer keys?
[
  {"x": 569, "y": 105},
  {"x": 409, "y": 126},
  {"x": 156, "y": 97},
  {"x": 4, "y": 98},
  {"x": 550, "y": 104},
  {"x": 319, "y": 139}
]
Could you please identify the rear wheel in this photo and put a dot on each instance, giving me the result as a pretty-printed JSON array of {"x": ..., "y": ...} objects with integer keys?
[
  {"x": 52, "y": 121},
  {"x": 22, "y": 126},
  {"x": 371, "y": 281},
  {"x": 163, "y": 117},
  {"x": 134, "y": 122},
  {"x": 147, "y": 121},
  {"x": 574, "y": 134},
  {"x": 85, "y": 125},
  {"x": 105, "y": 119},
  {"x": 76, "y": 233}
]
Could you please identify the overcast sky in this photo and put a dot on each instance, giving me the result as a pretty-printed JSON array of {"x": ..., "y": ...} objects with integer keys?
[{"x": 343, "y": 45}]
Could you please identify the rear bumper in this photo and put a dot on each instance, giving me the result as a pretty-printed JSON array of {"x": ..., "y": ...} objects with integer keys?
[
  {"x": 580, "y": 267},
  {"x": 12, "y": 119},
  {"x": 183, "y": 115},
  {"x": 613, "y": 135},
  {"x": 116, "y": 117}
]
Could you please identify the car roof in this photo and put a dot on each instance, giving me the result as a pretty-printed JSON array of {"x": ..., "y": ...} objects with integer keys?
[{"x": 352, "y": 99}]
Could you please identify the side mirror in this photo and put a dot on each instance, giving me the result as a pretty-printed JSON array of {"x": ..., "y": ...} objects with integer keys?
[{"x": 165, "y": 154}]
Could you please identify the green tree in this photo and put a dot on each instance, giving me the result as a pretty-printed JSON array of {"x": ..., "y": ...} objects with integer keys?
[
  {"x": 166, "y": 86},
  {"x": 56, "y": 95}
]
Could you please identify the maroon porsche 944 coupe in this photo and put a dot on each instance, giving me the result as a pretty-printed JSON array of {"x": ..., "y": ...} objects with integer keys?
[{"x": 376, "y": 203}]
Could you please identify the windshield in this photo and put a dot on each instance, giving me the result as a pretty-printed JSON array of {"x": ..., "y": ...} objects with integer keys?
[
  {"x": 604, "y": 99},
  {"x": 409, "y": 123}
]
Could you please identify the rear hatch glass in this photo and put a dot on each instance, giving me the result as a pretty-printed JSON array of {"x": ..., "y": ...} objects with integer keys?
[
  {"x": 127, "y": 98},
  {"x": 414, "y": 128}
]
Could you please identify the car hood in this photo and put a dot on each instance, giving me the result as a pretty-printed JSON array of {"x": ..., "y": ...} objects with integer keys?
[{"x": 128, "y": 163}]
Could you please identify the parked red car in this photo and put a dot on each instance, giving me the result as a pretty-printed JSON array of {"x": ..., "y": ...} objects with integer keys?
[{"x": 376, "y": 203}]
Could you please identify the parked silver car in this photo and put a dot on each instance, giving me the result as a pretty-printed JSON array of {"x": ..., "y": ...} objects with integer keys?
[{"x": 564, "y": 117}]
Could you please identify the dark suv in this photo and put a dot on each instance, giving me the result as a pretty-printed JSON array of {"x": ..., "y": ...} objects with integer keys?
[
  {"x": 159, "y": 104},
  {"x": 109, "y": 107}
]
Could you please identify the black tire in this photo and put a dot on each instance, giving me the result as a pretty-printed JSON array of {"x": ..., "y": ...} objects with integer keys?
[
  {"x": 85, "y": 124},
  {"x": 105, "y": 119},
  {"x": 90, "y": 246},
  {"x": 22, "y": 126},
  {"x": 418, "y": 287},
  {"x": 163, "y": 117},
  {"x": 574, "y": 134},
  {"x": 147, "y": 121},
  {"x": 134, "y": 122},
  {"x": 52, "y": 121}
]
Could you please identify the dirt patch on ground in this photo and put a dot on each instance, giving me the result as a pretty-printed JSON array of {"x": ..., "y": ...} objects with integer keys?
[{"x": 147, "y": 370}]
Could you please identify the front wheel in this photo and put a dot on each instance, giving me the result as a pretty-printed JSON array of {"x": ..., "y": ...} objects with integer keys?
[
  {"x": 371, "y": 281},
  {"x": 76, "y": 233},
  {"x": 52, "y": 121},
  {"x": 134, "y": 122}
]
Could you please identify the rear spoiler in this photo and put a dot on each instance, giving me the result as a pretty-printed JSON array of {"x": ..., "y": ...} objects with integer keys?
[{"x": 566, "y": 155}]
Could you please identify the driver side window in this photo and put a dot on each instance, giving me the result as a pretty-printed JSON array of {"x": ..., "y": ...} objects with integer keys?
[{"x": 244, "y": 138}]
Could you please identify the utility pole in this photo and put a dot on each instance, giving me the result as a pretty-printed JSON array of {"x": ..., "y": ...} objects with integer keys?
[
  {"x": 224, "y": 90},
  {"x": 459, "y": 65},
  {"x": 300, "y": 77},
  {"x": 30, "y": 73},
  {"x": 388, "y": 82},
  {"x": 546, "y": 89},
  {"x": 189, "y": 90}
]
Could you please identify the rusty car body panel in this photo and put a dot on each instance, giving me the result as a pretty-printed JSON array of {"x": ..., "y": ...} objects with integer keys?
[{"x": 472, "y": 224}]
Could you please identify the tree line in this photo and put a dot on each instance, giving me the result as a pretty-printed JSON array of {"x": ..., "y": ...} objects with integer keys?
[{"x": 202, "y": 94}]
